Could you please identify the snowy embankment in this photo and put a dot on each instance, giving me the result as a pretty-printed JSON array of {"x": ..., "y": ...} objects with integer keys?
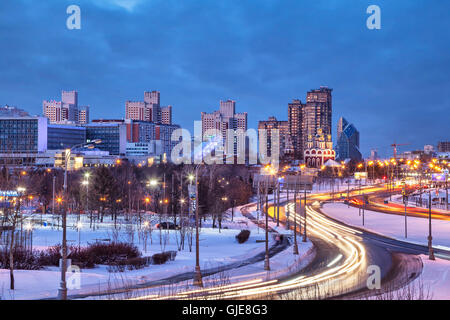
[
  {"x": 435, "y": 275},
  {"x": 217, "y": 248}
]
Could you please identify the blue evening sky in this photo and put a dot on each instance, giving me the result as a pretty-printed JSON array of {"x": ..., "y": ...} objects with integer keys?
[{"x": 393, "y": 83}]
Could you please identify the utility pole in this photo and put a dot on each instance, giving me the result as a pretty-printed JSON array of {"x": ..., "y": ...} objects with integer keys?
[
  {"x": 304, "y": 210},
  {"x": 430, "y": 238},
  {"x": 348, "y": 192},
  {"x": 363, "y": 206},
  {"x": 53, "y": 200},
  {"x": 129, "y": 199},
  {"x": 295, "y": 220},
  {"x": 277, "y": 194},
  {"x": 266, "y": 260},
  {"x": 62, "y": 291},
  {"x": 259, "y": 205},
  {"x": 171, "y": 200},
  {"x": 198, "y": 275},
  {"x": 405, "y": 199},
  {"x": 287, "y": 211}
]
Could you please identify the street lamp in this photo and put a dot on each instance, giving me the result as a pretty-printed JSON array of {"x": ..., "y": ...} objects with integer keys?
[
  {"x": 86, "y": 183},
  {"x": 62, "y": 291},
  {"x": 198, "y": 275},
  {"x": 430, "y": 238}
]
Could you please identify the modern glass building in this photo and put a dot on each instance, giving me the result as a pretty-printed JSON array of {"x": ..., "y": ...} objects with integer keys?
[
  {"x": 23, "y": 134},
  {"x": 60, "y": 136},
  {"x": 112, "y": 134},
  {"x": 347, "y": 146}
]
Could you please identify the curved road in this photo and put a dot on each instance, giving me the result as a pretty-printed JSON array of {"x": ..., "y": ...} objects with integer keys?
[{"x": 339, "y": 268}]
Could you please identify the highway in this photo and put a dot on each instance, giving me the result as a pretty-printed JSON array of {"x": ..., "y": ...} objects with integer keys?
[
  {"x": 338, "y": 269},
  {"x": 376, "y": 203}
]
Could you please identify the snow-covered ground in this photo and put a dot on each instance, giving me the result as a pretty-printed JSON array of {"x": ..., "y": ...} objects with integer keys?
[
  {"x": 217, "y": 248},
  {"x": 435, "y": 277}
]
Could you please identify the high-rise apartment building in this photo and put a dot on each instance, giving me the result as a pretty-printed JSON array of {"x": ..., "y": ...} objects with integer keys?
[
  {"x": 285, "y": 146},
  {"x": 66, "y": 110},
  {"x": 223, "y": 119},
  {"x": 347, "y": 146},
  {"x": 166, "y": 115},
  {"x": 305, "y": 119},
  {"x": 136, "y": 110},
  {"x": 317, "y": 113},
  {"x": 295, "y": 121},
  {"x": 83, "y": 115},
  {"x": 443, "y": 146},
  {"x": 149, "y": 109},
  {"x": 69, "y": 101},
  {"x": 152, "y": 101}
]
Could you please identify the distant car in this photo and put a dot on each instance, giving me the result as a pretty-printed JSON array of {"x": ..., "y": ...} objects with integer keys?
[{"x": 167, "y": 225}]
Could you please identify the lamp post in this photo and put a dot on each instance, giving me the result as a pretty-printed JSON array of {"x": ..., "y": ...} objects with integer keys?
[
  {"x": 430, "y": 238},
  {"x": 348, "y": 192},
  {"x": 198, "y": 275},
  {"x": 86, "y": 183},
  {"x": 266, "y": 260},
  {"x": 62, "y": 291},
  {"x": 53, "y": 200},
  {"x": 304, "y": 212},
  {"x": 295, "y": 220}
]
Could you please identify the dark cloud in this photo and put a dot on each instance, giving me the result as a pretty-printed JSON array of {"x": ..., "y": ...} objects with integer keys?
[{"x": 393, "y": 83}]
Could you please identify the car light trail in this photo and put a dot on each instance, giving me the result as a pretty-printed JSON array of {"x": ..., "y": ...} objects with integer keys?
[{"x": 344, "y": 267}]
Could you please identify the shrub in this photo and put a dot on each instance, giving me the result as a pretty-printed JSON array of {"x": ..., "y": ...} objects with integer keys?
[
  {"x": 107, "y": 253},
  {"x": 243, "y": 236},
  {"x": 85, "y": 257},
  {"x": 160, "y": 258},
  {"x": 88, "y": 257},
  {"x": 130, "y": 264},
  {"x": 23, "y": 259}
]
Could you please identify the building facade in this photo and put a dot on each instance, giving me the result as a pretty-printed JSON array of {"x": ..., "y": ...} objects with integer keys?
[
  {"x": 163, "y": 133},
  {"x": 318, "y": 149},
  {"x": 66, "y": 110},
  {"x": 166, "y": 115},
  {"x": 295, "y": 121},
  {"x": 317, "y": 113},
  {"x": 149, "y": 109},
  {"x": 285, "y": 145},
  {"x": 112, "y": 133},
  {"x": 23, "y": 134},
  {"x": 443, "y": 146},
  {"x": 222, "y": 120},
  {"x": 347, "y": 146},
  {"x": 83, "y": 115},
  {"x": 140, "y": 131},
  {"x": 62, "y": 136}
]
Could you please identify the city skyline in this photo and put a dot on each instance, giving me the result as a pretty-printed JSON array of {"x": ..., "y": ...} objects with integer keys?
[{"x": 373, "y": 88}]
